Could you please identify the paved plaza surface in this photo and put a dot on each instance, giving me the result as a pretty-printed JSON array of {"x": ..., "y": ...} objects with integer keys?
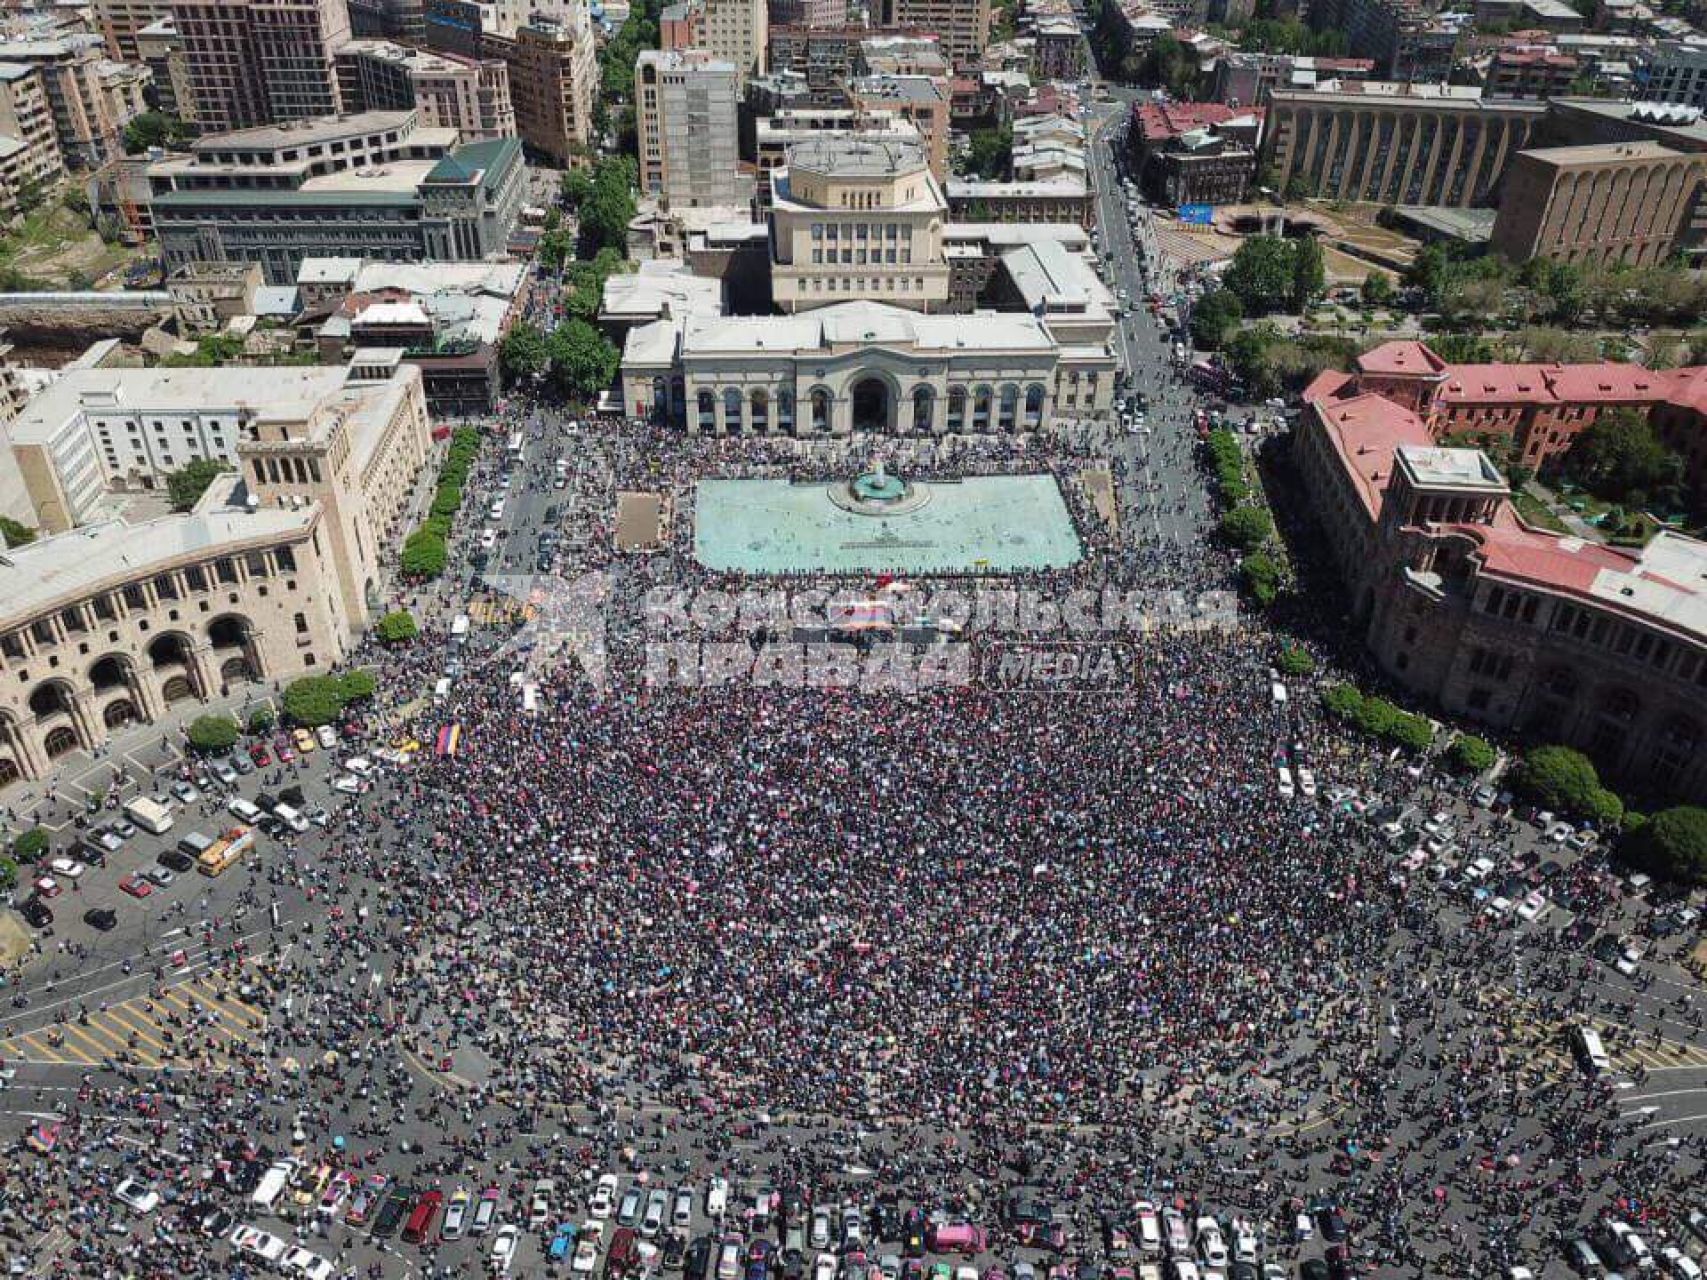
[{"x": 781, "y": 981}]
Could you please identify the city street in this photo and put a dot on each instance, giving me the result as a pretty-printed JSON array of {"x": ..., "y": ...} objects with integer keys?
[{"x": 631, "y": 980}]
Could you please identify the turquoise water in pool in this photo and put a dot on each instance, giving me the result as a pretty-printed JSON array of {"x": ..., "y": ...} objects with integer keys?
[{"x": 982, "y": 523}]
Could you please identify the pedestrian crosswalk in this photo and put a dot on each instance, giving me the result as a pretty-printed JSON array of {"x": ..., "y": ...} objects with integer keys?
[
  {"x": 1629, "y": 1051},
  {"x": 197, "y": 1024}
]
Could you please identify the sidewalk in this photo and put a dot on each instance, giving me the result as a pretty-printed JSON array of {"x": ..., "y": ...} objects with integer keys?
[
  {"x": 1575, "y": 523},
  {"x": 141, "y": 750}
]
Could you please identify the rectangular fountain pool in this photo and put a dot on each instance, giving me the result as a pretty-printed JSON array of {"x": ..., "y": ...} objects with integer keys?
[{"x": 996, "y": 524}]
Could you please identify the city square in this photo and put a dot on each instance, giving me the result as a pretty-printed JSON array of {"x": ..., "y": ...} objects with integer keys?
[{"x": 779, "y": 640}]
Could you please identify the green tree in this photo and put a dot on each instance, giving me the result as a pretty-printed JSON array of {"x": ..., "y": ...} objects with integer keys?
[
  {"x": 1672, "y": 845},
  {"x": 524, "y": 353},
  {"x": 1261, "y": 274},
  {"x": 261, "y": 719},
  {"x": 154, "y": 129},
  {"x": 185, "y": 486},
  {"x": 1461, "y": 348},
  {"x": 397, "y": 627},
  {"x": 314, "y": 700},
  {"x": 1260, "y": 574},
  {"x": 1620, "y": 458},
  {"x": 1298, "y": 187},
  {"x": 1214, "y": 317},
  {"x": 1411, "y": 732},
  {"x": 1471, "y": 754},
  {"x": 1294, "y": 660},
  {"x": 1565, "y": 780},
  {"x": 213, "y": 733},
  {"x": 424, "y": 554},
  {"x": 583, "y": 361},
  {"x": 1250, "y": 354},
  {"x": 1378, "y": 289},
  {"x": 29, "y": 846},
  {"x": 1343, "y": 702},
  {"x": 609, "y": 207},
  {"x": 357, "y": 685},
  {"x": 555, "y": 248},
  {"x": 14, "y": 534},
  {"x": 576, "y": 186},
  {"x": 1309, "y": 276},
  {"x": 8, "y": 875},
  {"x": 1170, "y": 65},
  {"x": 990, "y": 152},
  {"x": 1246, "y": 528}
]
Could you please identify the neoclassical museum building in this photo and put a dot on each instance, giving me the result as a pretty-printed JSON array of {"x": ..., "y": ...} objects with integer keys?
[
  {"x": 881, "y": 334},
  {"x": 863, "y": 366}
]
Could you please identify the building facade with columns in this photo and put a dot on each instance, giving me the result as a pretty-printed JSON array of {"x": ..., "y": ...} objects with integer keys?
[
  {"x": 115, "y": 624},
  {"x": 864, "y": 366},
  {"x": 1396, "y": 143}
]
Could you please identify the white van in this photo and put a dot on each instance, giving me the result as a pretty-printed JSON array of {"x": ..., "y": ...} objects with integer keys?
[
  {"x": 291, "y": 818},
  {"x": 496, "y": 510},
  {"x": 1589, "y": 1050},
  {"x": 241, "y": 809},
  {"x": 274, "y": 1183},
  {"x": 441, "y": 690}
]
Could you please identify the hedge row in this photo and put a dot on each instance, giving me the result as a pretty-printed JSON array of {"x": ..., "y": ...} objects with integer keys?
[
  {"x": 1377, "y": 717},
  {"x": 426, "y": 551},
  {"x": 1227, "y": 462}
]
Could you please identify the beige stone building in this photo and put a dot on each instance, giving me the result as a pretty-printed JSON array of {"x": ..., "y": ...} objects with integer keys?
[
  {"x": 1621, "y": 202},
  {"x": 856, "y": 219},
  {"x": 206, "y": 295},
  {"x": 737, "y": 31},
  {"x": 113, "y": 624},
  {"x": 961, "y": 26},
  {"x": 27, "y": 119},
  {"x": 554, "y": 77},
  {"x": 91, "y": 97},
  {"x": 269, "y": 578},
  {"x": 864, "y": 366},
  {"x": 921, "y": 100},
  {"x": 98, "y": 430},
  {"x": 161, "y": 49},
  {"x": 1395, "y": 143},
  {"x": 469, "y": 95}
]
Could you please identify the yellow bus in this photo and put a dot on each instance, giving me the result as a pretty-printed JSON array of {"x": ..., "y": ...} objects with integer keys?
[{"x": 226, "y": 850}]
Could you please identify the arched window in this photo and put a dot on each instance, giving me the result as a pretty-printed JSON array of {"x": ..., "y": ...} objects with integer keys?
[
  {"x": 820, "y": 409},
  {"x": 1034, "y": 395},
  {"x": 981, "y": 409},
  {"x": 785, "y": 411},
  {"x": 707, "y": 411},
  {"x": 761, "y": 410},
  {"x": 924, "y": 408},
  {"x": 1010, "y": 407},
  {"x": 957, "y": 408},
  {"x": 660, "y": 398},
  {"x": 1676, "y": 745},
  {"x": 731, "y": 410}
]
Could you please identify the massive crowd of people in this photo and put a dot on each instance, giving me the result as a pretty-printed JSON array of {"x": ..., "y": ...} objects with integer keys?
[{"x": 934, "y": 947}]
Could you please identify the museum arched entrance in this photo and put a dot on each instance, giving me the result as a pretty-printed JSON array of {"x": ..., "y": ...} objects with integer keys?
[{"x": 871, "y": 406}]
